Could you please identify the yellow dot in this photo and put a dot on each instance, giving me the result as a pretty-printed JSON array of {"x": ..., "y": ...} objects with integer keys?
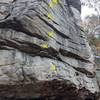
[
  {"x": 45, "y": 46},
  {"x": 50, "y": 15},
  {"x": 50, "y": 34}
]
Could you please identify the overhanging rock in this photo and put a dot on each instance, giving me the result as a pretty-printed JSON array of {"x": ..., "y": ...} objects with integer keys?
[{"x": 43, "y": 51}]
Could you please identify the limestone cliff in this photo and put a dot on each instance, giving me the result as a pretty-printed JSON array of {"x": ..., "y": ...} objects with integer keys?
[{"x": 44, "y": 52}]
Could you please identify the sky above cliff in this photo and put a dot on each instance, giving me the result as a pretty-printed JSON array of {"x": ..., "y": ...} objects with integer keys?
[{"x": 85, "y": 11}]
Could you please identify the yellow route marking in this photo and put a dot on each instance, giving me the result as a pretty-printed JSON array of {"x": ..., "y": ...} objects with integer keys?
[
  {"x": 53, "y": 67},
  {"x": 50, "y": 34},
  {"x": 50, "y": 15},
  {"x": 45, "y": 46},
  {"x": 53, "y": 3}
]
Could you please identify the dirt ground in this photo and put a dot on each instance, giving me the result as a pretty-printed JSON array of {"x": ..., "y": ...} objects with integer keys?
[{"x": 43, "y": 91}]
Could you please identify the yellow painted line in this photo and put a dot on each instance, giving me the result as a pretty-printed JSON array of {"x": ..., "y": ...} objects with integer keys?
[
  {"x": 51, "y": 34},
  {"x": 45, "y": 46},
  {"x": 50, "y": 15}
]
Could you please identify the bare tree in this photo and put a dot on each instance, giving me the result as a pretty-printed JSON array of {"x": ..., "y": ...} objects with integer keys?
[{"x": 94, "y": 4}]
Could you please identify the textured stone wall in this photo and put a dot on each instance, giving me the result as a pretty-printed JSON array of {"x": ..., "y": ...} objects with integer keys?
[
  {"x": 41, "y": 43},
  {"x": 98, "y": 70}
]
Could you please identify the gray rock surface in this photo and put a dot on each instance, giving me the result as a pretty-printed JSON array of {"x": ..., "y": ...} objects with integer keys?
[
  {"x": 41, "y": 41},
  {"x": 98, "y": 70}
]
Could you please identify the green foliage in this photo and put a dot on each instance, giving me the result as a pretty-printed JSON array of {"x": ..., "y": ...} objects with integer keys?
[
  {"x": 93, "y": 40},
  {"x": 98, "y": 54}
]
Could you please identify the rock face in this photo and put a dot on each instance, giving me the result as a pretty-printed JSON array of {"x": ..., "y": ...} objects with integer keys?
[
  {"x": 44, "y": 52},
  {"x": 98, "y": 70}
]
